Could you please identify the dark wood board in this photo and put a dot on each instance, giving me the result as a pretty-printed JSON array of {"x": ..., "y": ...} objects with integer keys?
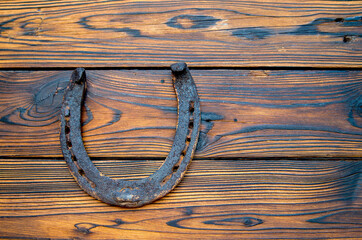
[
  {"x": 216, "y": 199},
  {"x": 281, "y": 98},
  {"x": 133, "y": 113},
  {"x": 210, "y": 33}
]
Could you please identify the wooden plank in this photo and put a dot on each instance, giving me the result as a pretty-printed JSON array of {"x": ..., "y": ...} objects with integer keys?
[
  {"x": 133, "y": 113},
  {"x": 202, "y": 33},
  {"x": 243, "y": 199}
]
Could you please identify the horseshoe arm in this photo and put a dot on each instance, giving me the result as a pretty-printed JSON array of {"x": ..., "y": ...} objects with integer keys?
[{"x": 122, "y": 192}]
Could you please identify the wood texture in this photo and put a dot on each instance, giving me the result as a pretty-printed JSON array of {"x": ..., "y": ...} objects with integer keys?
[
  {"x": 132, "y": 113},
  {"x": 239, "y": 186},
  {"x": 243, "y": 199},
  {"x": 202, "y": 33}
]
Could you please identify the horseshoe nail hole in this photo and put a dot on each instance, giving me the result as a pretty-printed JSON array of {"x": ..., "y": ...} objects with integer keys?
[
  {"x": 125, "y": 189},
  {"x": 175, "y": 168},
  {"x": 69, "y": 143},
  {"x": 164, "y": 181},
  {"x": 183, "y": 153},
  {"x": 189, "y": 133},
  {"x": 81, "y": 172},
  {"x": 191, "y": 124},
  {"x": 74, "y": 159},
  {"x": 177, "y": 165},
  {"x": 67, "y": 129},
  {"x": 192, "y": 107}
]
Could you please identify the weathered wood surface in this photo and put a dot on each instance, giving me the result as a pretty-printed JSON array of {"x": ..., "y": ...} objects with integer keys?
[
  {"x": 133, "y": 113},
  {"x": 130, "y": 116},
  {"x": 243, "y": 199},
  {"x": 202, "y": 33}
]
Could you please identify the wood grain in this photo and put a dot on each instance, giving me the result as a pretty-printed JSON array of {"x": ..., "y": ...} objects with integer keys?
[
  {"x": 244, "y": 199},
  {"x": 132, "y": 113},
  {"x": 203, "y": 33}
]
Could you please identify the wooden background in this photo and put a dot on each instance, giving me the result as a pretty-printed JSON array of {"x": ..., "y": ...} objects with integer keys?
[{"x": 280, "y": 86}]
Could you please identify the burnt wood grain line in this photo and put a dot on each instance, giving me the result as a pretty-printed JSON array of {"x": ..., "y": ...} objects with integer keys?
[
  {"x": 201, "y": 33},
  {"x": 245, "y": 113},
  {"x": 244, "y": 199}
]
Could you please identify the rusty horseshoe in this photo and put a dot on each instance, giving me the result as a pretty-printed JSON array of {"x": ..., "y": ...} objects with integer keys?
[{"x": 139, "y": 192}]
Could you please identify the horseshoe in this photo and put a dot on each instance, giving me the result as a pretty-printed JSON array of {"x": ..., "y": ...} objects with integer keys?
[{"x": 122, "y": 192}]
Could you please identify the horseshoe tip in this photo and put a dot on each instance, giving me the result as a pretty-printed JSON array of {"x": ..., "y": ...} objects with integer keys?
[
  {"x": 178, "y": 67},
  {"x": 78, "y": 75}
]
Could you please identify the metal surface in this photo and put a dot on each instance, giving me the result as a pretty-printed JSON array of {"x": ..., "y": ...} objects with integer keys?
[{"x": 122, "y": 192}]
